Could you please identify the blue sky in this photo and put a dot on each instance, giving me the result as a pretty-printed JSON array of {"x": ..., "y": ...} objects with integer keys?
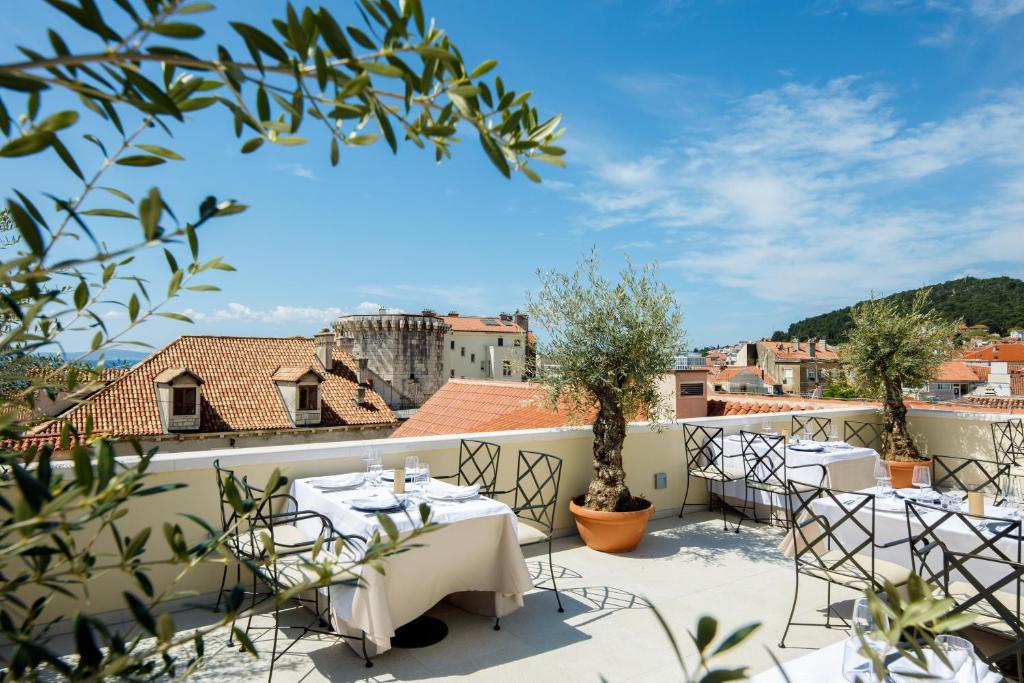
[{"x": 778, "y": 159}]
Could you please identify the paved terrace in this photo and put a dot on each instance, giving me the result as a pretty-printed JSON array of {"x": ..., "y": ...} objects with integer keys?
[{"x": 685, "y": 568}]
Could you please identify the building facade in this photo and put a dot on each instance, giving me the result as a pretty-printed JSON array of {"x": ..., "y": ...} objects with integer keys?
[
  {"x": 401, "y": 354},
  {"x": 800, "y": 367},
  {"x": 482, "y": 347}
]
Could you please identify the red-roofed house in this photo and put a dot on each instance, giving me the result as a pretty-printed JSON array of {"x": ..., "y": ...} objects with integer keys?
[
  {"x": 1011, "y": 354},
  {"x": 799, "y": 366},
  {"x": 204, "y": 392},
  {"x": 487, "y": 347},
  {"x": 955, "y": 379},
  {"x": 745, "y": 379}
]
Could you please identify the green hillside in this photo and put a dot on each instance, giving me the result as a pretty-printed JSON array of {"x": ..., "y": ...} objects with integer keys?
[{"x": 996, "y": 301}]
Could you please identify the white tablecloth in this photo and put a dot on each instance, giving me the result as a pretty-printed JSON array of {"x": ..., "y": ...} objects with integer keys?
[
  {"x": 826, "y": 666},
  {"x": 891, "y": 525},
  {"x": 848, "y": 469},
  {"x": 474, "y": 558}
]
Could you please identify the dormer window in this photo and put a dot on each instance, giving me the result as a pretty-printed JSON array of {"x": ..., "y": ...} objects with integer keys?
[
  {"x": 309, "y": 397},
  {"x": 178, "y": 395},
  {"x": 299, "y": 391},
  {"x": 184, "y": 401}
]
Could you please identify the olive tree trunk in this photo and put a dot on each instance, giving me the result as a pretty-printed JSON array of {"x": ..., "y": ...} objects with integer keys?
[
  {"x": 607, "y": 490},
  {"x": 896, "y": 441}
]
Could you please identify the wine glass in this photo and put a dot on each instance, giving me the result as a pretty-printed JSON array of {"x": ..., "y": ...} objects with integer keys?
[
  {"x": 373, "y": 471},
  {"x": 1011, "y": 495},
  {"x": 922, "y": 478},
  {"x": 423, "y": 478},
  {"x": 808, "y": 434},
  {"x": 833, "y": 434},
  {"x": 960, "y": 665},
  {"x": 865, "y": 632}
]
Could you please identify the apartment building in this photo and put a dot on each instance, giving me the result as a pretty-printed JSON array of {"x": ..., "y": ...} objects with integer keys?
[
  {"x": 799, "y": 366},
  {"x": 486, "y": 347}
]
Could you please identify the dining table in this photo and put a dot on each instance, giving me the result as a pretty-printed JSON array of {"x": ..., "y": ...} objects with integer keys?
[
  {"x": 826, "y": 666},
  {"x": 847, "y": 467},
  {"x": 962, "y": 534},
  {"x": 472, "y": 559}
]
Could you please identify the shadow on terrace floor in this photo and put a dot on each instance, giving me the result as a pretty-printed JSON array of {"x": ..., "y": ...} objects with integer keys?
[{"x": 698, "y": 539}]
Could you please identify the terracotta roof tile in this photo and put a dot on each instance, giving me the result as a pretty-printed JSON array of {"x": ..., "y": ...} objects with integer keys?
[
  {"x": 238, "y": 393},
  {"x": 787, "y": 351},
  {"x": 731, "y": 371},
  {"x": 1011, "y": 353},
  {"x": 482, "y": 323},
  {"x": 956, "y": 371}
]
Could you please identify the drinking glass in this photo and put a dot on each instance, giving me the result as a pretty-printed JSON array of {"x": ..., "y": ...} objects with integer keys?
[
  {"x": 922, "y": 478},
  {"x": 373, "y": 470},
  {"x": 855, "y": 665},
  {"x": 1010, "y": 493},
  {"x": 883, "y": 478},
  {"x": 961, "y": 666},
  {"x": 423, "y": 478},
  {"x": 833, "y": 434},
  {"x": 808, "y": 434},
  {"x": 412, "y": 465}
]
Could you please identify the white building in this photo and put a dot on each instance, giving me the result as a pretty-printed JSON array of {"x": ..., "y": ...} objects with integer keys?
[{"x": 486, "y": 347}]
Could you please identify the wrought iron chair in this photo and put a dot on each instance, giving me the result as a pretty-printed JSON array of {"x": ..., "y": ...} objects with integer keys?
[
  {"x": 1008, "y": 441},
  {"x": 764, "y": 456},
  {"x": 955, "y": 473},
  {"x": 838, "y": 548},
  {"x": 538, "y": 476},
  {"x": 995, "y": 603},
  {"x": 324, "y": 565},
  {"x": 995, "y": 537},
  {"x": 478, "y": 464},
  {"x": 287, "y": 560},
  {"x": 864, "y": 434},
  {"x": 819, "y": 426},
  {"x": 704, "y": 448}
]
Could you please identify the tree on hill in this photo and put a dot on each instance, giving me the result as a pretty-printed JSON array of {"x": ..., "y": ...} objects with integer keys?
[{"x": 997, "y": 302}]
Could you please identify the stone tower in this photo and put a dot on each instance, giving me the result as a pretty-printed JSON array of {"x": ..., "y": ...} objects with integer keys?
[{"x": 403, "y": 353}]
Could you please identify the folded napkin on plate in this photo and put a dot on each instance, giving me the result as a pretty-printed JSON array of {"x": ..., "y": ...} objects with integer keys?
[
  {"x": 837, "y": 444},
  {"x": 455, "y": 493},
  {"x": 348, "y": 480},
  {"x": 379, "y": 500}
]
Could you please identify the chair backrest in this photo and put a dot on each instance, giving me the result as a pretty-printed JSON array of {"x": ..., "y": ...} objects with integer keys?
[
  {"x": 704, "y": 448},
  {"x": 996, "y": 576},
  {"x": 841, "y": 540},
  {"x": 864, "y": 434},
  {"x": 538, "y": 476},
  {"x": 930, "y": 526},
  {"x": 764, "y": 456},
  {"x": 1008, "y": 440},
  {"x": 819, "y": 426},
  {"x": 958, "y": 474},
  {"x": 478, "y": 464}
]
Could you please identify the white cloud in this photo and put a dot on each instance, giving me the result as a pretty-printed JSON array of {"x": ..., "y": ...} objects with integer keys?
[
  {"x": 463, "y": 299},
  {"x": 996, "y": 10},
  {"x": 825, "y": 191},
  {"x": 236, "y": 312},
  {"x": 298, "y": 170}
]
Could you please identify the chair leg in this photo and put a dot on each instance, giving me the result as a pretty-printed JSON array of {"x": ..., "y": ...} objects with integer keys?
[
  {"x": 238, "y": 580},
  {"x": 792, "y": 611},
  {"x": 828, "y": 604},
  {"x": 366, "y": 657},
  {"x": 273, "y": 651},
  {"x": 252, "y": 607},
  {"x": 686, "y": 493},
  {"x": 554, "y": 584},
  {"x": 220, "y": 592},
  {"x": 497, "y": 623}
]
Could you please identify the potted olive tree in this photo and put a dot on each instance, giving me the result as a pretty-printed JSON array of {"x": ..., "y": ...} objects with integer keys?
[
  {"x": 609, "y": 342},
  {"x": 892, "y": 346}
]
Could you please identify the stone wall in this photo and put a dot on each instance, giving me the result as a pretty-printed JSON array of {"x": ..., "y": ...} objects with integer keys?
[{"x": 404, "y": 351}]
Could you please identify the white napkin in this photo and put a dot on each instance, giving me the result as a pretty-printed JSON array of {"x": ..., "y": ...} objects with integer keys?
[
  {"x": 340, "y": 481},
  {"x": 378, "y": 500},
  {"x": 837, "y": 444},
  {"x": 455, "y": 493}
]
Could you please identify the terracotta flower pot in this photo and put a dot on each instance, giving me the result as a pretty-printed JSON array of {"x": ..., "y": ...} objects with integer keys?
[
  {"x": 610, "y": 532},
  {"x": 903, "y": 472}
]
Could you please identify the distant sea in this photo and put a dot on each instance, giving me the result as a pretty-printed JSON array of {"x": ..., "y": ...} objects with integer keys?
[{"x": 125, "y": 355}]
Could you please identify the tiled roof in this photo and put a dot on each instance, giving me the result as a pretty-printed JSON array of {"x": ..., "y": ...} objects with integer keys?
[
  {"x": 238, "y": 393},
  {"x": 787, "y": 351},
  {"x": 724, "y": 407},
  {"x": 482, "y": 323},
  {"x": 287, "y": 373},
  {"x": 1017, "y": 382},
  {"x": 1011, "y": 353},
  {"x": 467, "y": 405},
  {"x": 955, "y": 371},
  {"x": 170, "y": 374},
  {"x": 727, "y": 373},
  {"x": 999, "y": 403},
  {"x": 980, "y": 371}
]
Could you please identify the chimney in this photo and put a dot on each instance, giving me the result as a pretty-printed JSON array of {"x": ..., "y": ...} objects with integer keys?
[
  {"x": 523, "y": 320},
  {"x": 362, "y": 373},
  {"x": 346, "y": 344},
  {"x": 504, "y": 316},
  {"x": 453, "y": 314},
  {"x": 324, "y": 342},
  {"x": 811, "y": 344},
  {"x": 381, "y": 310},
  {"x": 824, "y": 344},
  {"x": 360, "y": 398},
  {"x": 796, "y": 343}
]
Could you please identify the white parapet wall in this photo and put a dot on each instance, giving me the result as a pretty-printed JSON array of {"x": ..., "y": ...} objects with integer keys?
[{"x": 648, "y": 451}]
